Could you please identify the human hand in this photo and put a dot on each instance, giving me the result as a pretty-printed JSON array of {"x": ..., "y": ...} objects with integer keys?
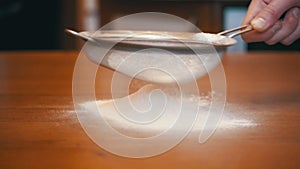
[{"x": 264, "y": 16}]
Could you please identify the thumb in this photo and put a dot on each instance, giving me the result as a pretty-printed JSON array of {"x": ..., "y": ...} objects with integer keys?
[{"x": 270, "y": 14}]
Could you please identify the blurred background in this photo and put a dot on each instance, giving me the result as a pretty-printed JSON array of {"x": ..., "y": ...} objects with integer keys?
[{"x": 39, "y": 25}]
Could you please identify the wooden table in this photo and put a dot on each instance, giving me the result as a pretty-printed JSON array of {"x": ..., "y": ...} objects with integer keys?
[{"x": 39, "y": 127}]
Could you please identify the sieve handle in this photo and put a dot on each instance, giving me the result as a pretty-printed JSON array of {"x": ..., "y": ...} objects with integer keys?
[{"x": 242, "y": 29}]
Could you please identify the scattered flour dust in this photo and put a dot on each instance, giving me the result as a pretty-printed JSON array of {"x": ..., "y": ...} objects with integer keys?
[
  {"x": 150, "y": 111},
  {"x": 154, "y": 109}
]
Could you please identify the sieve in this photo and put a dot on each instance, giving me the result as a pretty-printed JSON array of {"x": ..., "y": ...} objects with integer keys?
[{"x": 157, "y": 56}]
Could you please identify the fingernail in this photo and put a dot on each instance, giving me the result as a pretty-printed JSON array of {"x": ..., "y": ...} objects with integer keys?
[
  {"x": 258, "y": 24},
  {"x": 276, "y": 27}
]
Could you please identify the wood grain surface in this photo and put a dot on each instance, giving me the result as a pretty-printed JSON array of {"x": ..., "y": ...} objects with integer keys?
[{"x": 39, "y": 127}]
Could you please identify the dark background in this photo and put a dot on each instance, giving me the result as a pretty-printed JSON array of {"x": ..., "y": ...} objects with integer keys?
[
  {"x": 29, "y": 24},
  {"x": 39, "y": 25}
]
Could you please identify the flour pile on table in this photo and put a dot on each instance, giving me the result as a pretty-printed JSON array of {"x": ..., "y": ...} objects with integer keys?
[{"x": 149, "y": 111}]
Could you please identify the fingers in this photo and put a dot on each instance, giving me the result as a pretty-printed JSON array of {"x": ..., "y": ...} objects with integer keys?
[
  {"x": 270, "y": 14},
  {"x": 289, "y": 26},
  {"x": 254, "y": 8},
  {"x": 285, "y": 31},
  {"x": 256, "y": 36},
  {"x": 263, "y": 15},
  {"x": 296, "y": 34}
]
